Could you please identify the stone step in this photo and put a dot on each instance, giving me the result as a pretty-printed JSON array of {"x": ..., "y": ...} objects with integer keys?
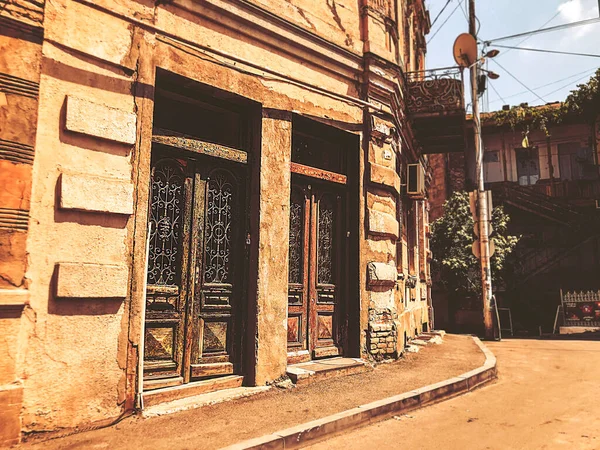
[{"x": 311, "y": 371}]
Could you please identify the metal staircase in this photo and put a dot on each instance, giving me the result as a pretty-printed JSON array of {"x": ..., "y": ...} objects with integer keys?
[{"x": 577, "y": 227}]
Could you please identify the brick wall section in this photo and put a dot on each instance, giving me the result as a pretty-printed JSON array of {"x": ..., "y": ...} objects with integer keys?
[{"x": 456, "y": 172}]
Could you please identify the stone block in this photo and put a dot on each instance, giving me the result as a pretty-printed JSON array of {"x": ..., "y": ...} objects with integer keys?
[
  {"x": 381, "y": 274},
  {"x": 383, "y": 224},
  {"x": 94, "y": 119},
  {"x": 79, "y": 280},
  {"x": 15, "y": 185},
  {"x": 385, "y": 176},
  {"x": 96, "y": 194},
  {"x": 13, "y": 257},
  {"x": 11, "y": 398},
  {"x": 18, "y": 118}
]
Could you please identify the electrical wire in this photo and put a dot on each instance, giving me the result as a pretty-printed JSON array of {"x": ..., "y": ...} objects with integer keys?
[
  {"x": 541, "y": 50},
  {"x": 518, "y": 81},
  {"x": 545, "y": 30},
  {"x": 530, "y": 36},
  {"x": 440, "y": 13},
  {"x": 567, "y": 85},
  {"x": 444, "y": 23},
  {"x": 587, "y": 72},
  {"x": 497, "y": 93}
]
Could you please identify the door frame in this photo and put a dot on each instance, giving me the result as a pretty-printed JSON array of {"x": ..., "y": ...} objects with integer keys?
[
  {"x": 176, "y": 145},
  {"x": 302, "y": 177}
]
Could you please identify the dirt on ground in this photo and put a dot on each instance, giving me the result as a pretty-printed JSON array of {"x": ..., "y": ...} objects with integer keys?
[
  {"x": 216, "y": 426},
  {"x": 546, "y": 397}
]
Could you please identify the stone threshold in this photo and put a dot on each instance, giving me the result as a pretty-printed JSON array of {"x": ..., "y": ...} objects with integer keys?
[
  {"x": 321, "y": 429},
  {"x": 169, "y": 394},
  {"x": 318, "y": 370},
  {"x": 198, "y": 401}
]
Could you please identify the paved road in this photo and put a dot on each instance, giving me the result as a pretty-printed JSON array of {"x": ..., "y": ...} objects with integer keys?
[{"x": 547, "y": 397}]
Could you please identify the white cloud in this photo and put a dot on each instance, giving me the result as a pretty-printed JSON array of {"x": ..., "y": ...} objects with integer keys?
[{"x": 576, "y": 10}]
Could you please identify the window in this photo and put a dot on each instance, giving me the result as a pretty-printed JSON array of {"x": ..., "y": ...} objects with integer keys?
[
  {"x": 576, "y": 162},
  {"x": 528, "y": 166},
  {"x": 491, "y": 157}
]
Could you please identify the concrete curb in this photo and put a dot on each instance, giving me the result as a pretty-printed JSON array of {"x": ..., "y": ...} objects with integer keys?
[{"x": 301, "y": 435}]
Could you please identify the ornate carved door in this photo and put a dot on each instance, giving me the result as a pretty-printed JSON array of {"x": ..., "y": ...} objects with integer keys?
[
  {"x": 195, "y": 270},
  {"x": 316, "y": 262}
]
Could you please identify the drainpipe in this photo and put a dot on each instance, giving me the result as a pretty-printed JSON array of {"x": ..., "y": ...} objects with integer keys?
[{"x": 141, "y": 345}]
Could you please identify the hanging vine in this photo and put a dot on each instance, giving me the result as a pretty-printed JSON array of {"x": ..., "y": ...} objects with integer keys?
[{"x": 583, "y": 102}]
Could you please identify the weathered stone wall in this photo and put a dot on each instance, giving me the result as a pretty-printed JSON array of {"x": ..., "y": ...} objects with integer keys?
[
  {"x": 77, "y": 344},
  {"x": 20, "y": 59}
]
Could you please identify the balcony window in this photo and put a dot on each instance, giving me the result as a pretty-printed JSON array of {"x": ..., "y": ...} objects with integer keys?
[
  {"x": 528, "y": 166},
  {"x": 576, "y": 162}
]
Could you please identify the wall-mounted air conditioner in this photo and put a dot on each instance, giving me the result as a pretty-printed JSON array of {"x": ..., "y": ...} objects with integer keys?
[{"x": 415, "y": 185}]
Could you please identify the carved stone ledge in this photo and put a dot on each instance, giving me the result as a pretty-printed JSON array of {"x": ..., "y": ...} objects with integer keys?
[
  {"x": 101, "y": 121},
  {"x": 96, "y": 194},
  {"x": 81, "y": 280},
  {"x": 381, "y": 274},
  {"x": 13, "y": 299},
  {"x": 383, "y": 224},
  {"x": 384, "y": 176}
]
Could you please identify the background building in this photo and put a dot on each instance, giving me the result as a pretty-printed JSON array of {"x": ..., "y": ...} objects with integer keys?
[{"x": 551, "y": 191}]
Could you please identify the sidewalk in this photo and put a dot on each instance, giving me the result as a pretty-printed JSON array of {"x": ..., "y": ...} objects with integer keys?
[{"x": 216, "y": 426}]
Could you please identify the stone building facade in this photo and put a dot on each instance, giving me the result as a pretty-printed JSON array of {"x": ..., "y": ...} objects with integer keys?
[{"x": 196, "y": 194}]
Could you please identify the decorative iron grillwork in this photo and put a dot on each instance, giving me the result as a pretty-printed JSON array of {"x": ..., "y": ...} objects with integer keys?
[
  {"x": 166, "y": 218},
  {"x": 325, "y": 239},
  {"x": 437, "y": 90},
  {"x": 218, "y": 227},
  {"x": 581, "y": 309},
  {"x": 296, "y": 241}
]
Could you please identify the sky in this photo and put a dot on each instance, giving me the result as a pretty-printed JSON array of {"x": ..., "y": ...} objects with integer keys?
[{"x": 550, "y": 76}]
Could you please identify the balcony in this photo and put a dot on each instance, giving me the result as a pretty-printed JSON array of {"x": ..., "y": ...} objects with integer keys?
[{"x": 437, "y": 109}]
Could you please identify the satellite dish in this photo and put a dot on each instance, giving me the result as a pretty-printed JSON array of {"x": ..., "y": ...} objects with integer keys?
[{"x": 465, "y": 50}]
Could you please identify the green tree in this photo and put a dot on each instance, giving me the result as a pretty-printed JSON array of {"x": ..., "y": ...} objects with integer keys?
[{"x": 451, "y": 241}]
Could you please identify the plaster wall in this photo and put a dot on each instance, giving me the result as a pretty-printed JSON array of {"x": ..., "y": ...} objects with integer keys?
[
  {"x": 77, "y": 346},
  {"x": 79, "y": 338}
]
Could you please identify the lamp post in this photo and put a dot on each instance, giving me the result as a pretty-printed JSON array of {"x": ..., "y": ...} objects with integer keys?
[{"x": 482, "y": 204}]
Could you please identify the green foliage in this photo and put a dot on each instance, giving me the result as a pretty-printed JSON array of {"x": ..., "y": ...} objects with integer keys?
[
  {"x": 583, "y": 102},
  {"x": 451, "y": 241}
]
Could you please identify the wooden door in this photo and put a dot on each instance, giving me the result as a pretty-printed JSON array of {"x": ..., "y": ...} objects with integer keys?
[
  {"x": 315, "y": 296},
  {"x": 195, "y": 270},
  {"x": 218, "y": 260}
]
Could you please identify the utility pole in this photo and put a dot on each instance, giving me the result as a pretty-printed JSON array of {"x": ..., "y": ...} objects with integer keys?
[{"x": 482, "y": 204}]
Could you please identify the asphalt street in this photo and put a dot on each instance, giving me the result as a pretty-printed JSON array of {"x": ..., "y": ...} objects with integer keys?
[{"x": 547, "y": 396}]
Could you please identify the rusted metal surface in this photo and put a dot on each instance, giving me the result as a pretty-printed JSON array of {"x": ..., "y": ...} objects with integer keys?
[
  {"x": 178, "y": 140},
  {"x": 435, "y": 91},
  {"x": 318, "y": 173}
]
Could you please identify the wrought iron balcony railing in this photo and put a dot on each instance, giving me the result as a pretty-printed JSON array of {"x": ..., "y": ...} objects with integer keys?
[{"x": 436, "y": 91}]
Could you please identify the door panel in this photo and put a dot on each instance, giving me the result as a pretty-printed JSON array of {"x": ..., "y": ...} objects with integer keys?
[
  {"x": 298, "y": 270},
  {"x": 316, "y": 221},
  {"x": 166, "y": 280},
  {"x": 195, "y": 269},
  {"x": 217, "y": 281}
]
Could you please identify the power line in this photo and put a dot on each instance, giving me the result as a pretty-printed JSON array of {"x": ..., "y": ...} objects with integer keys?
[
  {"x": 541, "y": 50},
  {"x": 440, "y": 13},
  {"x": 566, "y": 85},
  {"x": 529, "y": 37},
  {"x": 444, "y": 23},
  {"x": 497, "y": 93},
  {"x": 587, "y": 72},
  {"x": 545, "y": 30},
  {"x": 518, "y": 81}
]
